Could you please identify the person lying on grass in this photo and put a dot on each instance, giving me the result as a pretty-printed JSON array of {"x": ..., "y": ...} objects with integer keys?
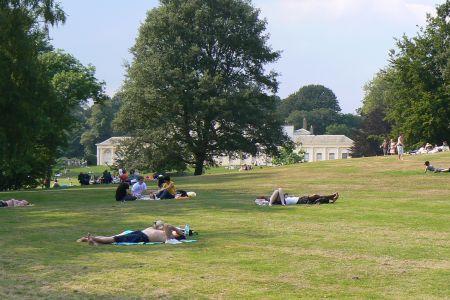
[
  {"x": 158, "y": 232},
  {"x": 279, "y": 197},
  {"x": 429, "y": 167},
  {"x": 14, "y": 202}
]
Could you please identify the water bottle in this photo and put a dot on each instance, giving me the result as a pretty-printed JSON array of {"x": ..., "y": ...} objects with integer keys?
[{"x": 186, "y": 230}]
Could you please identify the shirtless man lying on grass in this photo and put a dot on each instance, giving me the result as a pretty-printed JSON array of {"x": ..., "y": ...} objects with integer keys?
[{"x": 159, "y": 232}]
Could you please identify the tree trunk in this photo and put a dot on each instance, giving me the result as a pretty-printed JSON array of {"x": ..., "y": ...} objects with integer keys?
[{"x": 199, "y": 161}]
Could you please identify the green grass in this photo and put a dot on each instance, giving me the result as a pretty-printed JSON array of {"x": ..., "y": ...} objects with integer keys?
[{"x": 387, "y": 237}]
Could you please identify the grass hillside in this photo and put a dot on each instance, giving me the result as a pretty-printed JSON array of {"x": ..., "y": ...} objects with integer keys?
[{"x": 387, "y": 237}]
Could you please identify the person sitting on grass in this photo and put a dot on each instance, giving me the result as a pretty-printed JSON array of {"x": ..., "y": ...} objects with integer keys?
[
  {"x": 123, "y": 192},
  {"x": 158, "y": 232},
  {"x": 56, "y": 184},
  {"x": 14, "y": 202},
  {"x": 279, "y": 197},
  {"x": 139, "y": 188},
  {"x": 429, "y": 167},
  {"x": 168, "y": 190}
]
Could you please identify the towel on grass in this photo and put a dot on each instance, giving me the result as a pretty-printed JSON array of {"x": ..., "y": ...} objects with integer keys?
[{"x": 152, "y": 243}]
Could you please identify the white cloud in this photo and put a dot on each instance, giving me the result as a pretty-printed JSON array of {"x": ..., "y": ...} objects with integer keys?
[
  {"x": 288, "y": 12},
  {"x": 420, "y": 11}
]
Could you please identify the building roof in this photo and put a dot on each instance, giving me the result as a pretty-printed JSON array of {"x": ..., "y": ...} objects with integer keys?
[
  {"x": 301, "y": 131},
  {"x": 113, "y": 141},
  {"x": 323, "y": 140}
]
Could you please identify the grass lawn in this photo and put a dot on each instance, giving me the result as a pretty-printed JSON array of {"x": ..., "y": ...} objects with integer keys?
[{"x": 387, "y": 237}]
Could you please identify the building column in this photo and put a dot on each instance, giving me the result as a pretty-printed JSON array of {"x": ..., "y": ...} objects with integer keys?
[
  {"x": 98, "y": 156},
  {"x": 113, "y": 153}
]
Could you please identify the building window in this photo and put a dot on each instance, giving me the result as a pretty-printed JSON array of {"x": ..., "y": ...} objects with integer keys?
[
  {"x": 319, "y": 156},
  {"x": 344, "y": 155},
  {"x": 331, "y": 156},
  {"x": 306, "y": 156}
]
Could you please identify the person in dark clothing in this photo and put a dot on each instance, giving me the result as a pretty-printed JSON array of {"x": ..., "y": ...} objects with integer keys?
[{"x": 123, "y": 192}]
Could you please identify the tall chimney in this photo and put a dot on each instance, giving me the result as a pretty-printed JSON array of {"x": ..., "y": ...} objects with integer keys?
[
  {"x": 311, "y": 129},
  {"x": 304, "y": 124}
]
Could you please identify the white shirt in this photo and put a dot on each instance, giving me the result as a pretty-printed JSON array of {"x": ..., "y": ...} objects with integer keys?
[
  {"x": 138, "y": 189},
  {"x": 291, "y": 200}
]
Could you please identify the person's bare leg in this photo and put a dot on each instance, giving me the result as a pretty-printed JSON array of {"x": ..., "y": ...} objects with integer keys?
[
  {"x": 330, "y": 198},
  {"x": 275, "y": 196},
  {"x": 95, "y": 240}
]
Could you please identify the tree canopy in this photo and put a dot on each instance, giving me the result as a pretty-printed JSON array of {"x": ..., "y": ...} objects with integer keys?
[
  {"x": 197, "y": 86},
  {"x": 309, "y": 98},
  {"x": 412, "y": 94},
  {"x": 39, "y": 88}
]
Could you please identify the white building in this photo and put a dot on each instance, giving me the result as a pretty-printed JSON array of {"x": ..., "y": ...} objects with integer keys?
[
  {"x": 107, "y": 150},
  {"x": 316, "y": 148},
  {"x": 320, "y": 147}
]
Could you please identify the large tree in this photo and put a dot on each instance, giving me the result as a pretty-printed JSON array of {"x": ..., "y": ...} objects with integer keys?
[
  {"x": 73, "y": 84},
  {"x": 418, "y": 105},
  {"x": 197, "y": 86},
  {"x": 40, "y": 90},
  {"x": 23, "y": 87},
  {"x": 309, "y": 98},
  {"x": 316, "y": 103}
]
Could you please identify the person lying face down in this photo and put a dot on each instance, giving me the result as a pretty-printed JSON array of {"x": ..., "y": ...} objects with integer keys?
[
  {"x": 279, "y": 197},
  {"x": 158, "y": 232},
  {"x": 13, "y": 202},
  {"x": 429, "y": 167}
]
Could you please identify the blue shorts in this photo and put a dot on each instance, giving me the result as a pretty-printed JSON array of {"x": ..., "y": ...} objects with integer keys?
[{"x": 132, "y": 237}]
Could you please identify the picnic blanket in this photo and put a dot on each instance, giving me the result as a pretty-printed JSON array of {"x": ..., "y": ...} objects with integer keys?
[{"x": 153, "y": 243}]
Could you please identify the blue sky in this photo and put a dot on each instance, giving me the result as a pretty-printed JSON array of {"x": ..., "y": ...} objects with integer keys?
[{"x": 340, "y": 44}]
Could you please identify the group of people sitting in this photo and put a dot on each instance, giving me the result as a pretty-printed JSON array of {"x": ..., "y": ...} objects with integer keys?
[
  {"x": 429, "y": 148},
  {"x": 166, "y": 189}
]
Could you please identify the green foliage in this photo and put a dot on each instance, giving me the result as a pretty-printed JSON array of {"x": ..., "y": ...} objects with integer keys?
[
  {"x": 418, "y": 105},
  {"x": 287, "y": 156},
  {"x": 318, "y": 118},
  {"x": 375, "y": 126},
  {"x": 197, "y": 85},
  {"x": 319, "y": 106},
  {"x": 39, "y": 90},
  {"x": 310, "y": 98},
  {"x": 412, "y": 95},
  {"x": 24, "y": 91},
  {"x": 337, "y": 129},
  {"x": 99, "y": 126}
]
